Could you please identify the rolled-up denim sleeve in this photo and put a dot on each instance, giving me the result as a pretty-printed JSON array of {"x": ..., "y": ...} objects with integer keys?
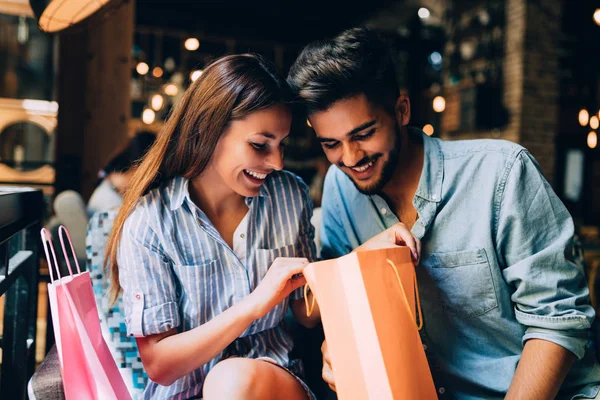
[
  {"x": 146, "y": 277},
  {"x": 534, "y": 239}
]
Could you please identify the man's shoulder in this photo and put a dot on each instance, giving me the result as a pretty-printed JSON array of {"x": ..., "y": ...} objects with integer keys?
[{"x": 479, "y": 147}]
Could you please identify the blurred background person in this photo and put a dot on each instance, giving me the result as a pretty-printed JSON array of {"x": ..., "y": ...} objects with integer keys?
[{"x": 114, "y": 178}]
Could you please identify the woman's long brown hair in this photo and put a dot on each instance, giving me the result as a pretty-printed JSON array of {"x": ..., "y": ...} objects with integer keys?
[{"x": 230, "y": 88}]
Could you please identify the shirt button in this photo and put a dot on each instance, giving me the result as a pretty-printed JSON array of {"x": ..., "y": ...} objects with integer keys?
[
  {"x": 434, "y": 197},
  {"x": 384, "y": 211},
  {"x": 424, "y": 347},
  {"x": 242, "y": 236},
  {"x": 442, "y": 390}
]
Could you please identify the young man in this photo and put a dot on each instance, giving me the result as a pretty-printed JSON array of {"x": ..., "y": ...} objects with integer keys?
[{"x": 506, "y": 312}]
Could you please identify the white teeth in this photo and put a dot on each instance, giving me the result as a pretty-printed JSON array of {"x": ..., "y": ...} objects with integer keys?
[
  {"x": 256, "y": 174},
  {"x": 363, "y": 168}
]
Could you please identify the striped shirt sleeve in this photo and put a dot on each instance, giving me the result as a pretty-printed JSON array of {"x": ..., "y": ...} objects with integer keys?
[{"x": 145, "y": 274}]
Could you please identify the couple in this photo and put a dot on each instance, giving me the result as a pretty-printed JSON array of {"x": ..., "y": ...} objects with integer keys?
[{"x": 212, "y": 237}]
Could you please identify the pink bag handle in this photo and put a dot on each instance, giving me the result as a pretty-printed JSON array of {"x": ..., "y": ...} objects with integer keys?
[
  {"x": 62, "y": 229},
  {"x": 47, "y": 243}
]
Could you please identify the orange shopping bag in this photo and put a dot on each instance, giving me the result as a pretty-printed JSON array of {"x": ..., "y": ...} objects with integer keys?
[{"x": 367, "y": 301}]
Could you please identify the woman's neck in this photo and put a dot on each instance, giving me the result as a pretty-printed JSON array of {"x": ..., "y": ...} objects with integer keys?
[{"x": 213, "y": 196}]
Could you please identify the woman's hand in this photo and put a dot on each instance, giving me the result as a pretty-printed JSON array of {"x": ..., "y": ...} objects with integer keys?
[
  {"x": 283, "y": 277},
  {"x": 397, "y": 235}
]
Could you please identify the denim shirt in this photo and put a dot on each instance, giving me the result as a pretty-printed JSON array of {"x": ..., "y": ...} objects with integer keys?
[{"x": 494, "y": 268}]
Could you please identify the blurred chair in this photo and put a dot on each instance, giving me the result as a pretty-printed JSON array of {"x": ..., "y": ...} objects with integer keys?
[
  {"x": 70, "y": 211},
  {"x": 46, "y": 382}
]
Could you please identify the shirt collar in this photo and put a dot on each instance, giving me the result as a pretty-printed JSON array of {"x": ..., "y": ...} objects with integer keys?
[
  {"x": 430, "y": 183},
  {"x": 178, "y": 187}
]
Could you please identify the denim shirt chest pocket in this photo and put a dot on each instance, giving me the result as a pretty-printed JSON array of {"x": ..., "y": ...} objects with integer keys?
[{"x": 464, "y": 280}]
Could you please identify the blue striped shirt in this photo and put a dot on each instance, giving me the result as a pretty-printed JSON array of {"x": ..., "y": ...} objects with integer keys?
[{"x": 177, "y": 271}]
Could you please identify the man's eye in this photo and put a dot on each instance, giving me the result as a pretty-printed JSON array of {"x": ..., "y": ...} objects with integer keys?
[
  {"x": 366, "y": 135},
  {"x": 330, "y": 145}
]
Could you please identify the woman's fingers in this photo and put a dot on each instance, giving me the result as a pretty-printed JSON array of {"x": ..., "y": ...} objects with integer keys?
[{"x": 298, "y": 282}]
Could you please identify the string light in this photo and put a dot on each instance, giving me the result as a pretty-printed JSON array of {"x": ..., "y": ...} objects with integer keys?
[
  {"x": 157, "y": 102},
  {"x": 192, "y": 44},
  {"x": 148, "y": 116},
  {"x": 171, "y": 90},
  {"x": 584, "y": 117},
  {"x": 428, "y": 129},
  {"x": 423, "y": 13},
  {"x": 157, "y": 72},
  {"x": 195, "y": 75},
  {"x": 142, "y": 68},
  {"x": 439, "y": 104},
  {"x": 592, "y": 140}
]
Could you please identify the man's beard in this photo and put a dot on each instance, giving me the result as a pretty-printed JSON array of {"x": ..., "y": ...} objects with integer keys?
[{"x": 387, "y": 170}]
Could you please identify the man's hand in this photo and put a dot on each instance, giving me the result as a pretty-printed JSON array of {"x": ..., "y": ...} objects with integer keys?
[
  {"x": 397, "y": 235},
  {"x": 327, "y": 371}
]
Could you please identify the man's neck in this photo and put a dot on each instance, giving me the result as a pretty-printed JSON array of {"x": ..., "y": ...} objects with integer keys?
[{"x": 402, "y": 186}]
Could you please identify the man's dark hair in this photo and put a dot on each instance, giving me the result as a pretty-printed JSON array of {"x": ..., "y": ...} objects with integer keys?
[{"x": 357, "y": 61}]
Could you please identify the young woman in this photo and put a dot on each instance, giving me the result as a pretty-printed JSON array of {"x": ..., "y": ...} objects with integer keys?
[{"x": 211, "y": 240}]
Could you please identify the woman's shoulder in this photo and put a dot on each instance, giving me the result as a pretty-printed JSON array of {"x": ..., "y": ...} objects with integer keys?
[
  {"x": 152, "y": 200},
  {"x": 151, "y": 206},
  {"x": 164, "y": 196}
]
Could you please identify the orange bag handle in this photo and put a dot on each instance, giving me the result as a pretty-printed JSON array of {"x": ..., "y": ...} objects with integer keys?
[
  {"x": 310, "y": 309},
  {"x": 420, "y": 326}
]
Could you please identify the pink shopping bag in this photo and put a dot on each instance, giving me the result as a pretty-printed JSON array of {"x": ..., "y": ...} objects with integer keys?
[{"x": 87, "y": 366}]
